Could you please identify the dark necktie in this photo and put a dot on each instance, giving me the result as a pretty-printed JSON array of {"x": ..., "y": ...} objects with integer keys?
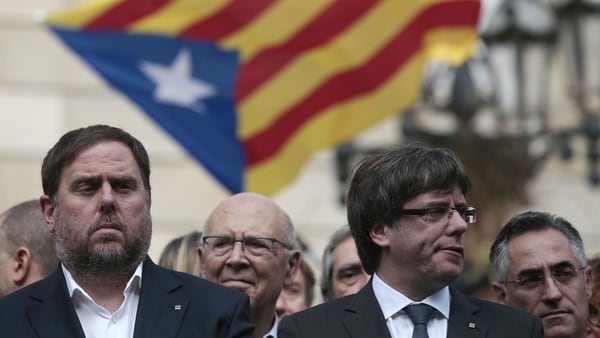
[{"x": 419, "y": 314}]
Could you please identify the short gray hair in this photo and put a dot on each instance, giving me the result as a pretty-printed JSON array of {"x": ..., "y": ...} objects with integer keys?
[
  {"x": 24, "y": 225},
  {"x": 526, "y": 222}
]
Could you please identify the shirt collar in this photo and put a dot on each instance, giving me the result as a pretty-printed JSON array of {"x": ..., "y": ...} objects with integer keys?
[
  {"x": 273, "y": 331},
  {"x": 391, "y": 301},
  {"x": 134, "y": 283}
]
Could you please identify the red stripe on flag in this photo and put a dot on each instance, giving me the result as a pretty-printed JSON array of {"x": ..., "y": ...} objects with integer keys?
[
  {"x": 329, "y": 23},
  {"x": 231, "y": 18},
  {"x": 125, "y": 13},
  {"x": 361, "y": 80}
]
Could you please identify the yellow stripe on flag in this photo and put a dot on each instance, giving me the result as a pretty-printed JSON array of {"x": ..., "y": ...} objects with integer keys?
[
  {"x": 177, "y": 16},
  {"x": 351, "y": 49},
  {"x": 452, "y": 45},
  {"x": 275, "y": 26},
  {"x": 335, "y": 125},
  {"x": 80, "y": 15}
]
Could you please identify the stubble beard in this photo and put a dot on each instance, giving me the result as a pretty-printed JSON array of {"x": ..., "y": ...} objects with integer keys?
[{"x": 111, "y": 260}]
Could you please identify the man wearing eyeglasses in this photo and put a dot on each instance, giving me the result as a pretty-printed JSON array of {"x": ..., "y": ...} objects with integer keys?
[
  {"x": 247, "y": 245},
  {"x": 539, "y": 265},
  {"x": 408, "y": 214}
]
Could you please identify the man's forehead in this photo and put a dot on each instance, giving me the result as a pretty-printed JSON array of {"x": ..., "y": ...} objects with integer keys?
[
  {"x": 345, "y": 251},
  {"x": 539, "y": 249},
  {"x": 235, "y": 226},
  {"x": 438, "y": 195}
]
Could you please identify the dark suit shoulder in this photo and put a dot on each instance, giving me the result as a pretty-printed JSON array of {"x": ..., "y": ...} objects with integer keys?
[
  {"x": 200, "y": 291},
  {"x": 189, "y": 305},
  {"x": 31, "y": 294},
  {"x": 494, "y": 320},
  {"x": 323, "y": 311},
  {"x": 496, "y": 310},
  {"x": 357, "y": 315},
  {"x": 317, "y": 320}
]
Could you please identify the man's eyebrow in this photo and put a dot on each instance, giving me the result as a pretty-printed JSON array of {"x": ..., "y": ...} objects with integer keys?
[
  {"x": 531, "y": 271},
  {"x": 350, "y": 266},
  {"x": 563, "y": 264},
  {"x": 123, "y": 179},
  {"x": 437, "y": 204},
  {"x": 81, "y": 179}
]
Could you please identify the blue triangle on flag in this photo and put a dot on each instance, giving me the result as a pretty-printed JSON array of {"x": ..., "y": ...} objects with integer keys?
[{"x": 186, "y": 86}]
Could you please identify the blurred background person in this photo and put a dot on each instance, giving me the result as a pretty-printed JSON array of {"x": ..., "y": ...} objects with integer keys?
[
  {"x": 593, "y": 324},
  {"x": 27, "y": 252},
  {"x": 342, "y": 272},
  {"x": 181, "y": 254},
  {"x": 299, "y": 294}
]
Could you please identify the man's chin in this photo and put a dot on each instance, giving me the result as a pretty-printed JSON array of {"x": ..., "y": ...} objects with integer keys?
[{"x": 555, "y": 330}]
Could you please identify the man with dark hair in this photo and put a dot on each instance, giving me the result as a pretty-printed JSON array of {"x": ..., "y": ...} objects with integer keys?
[
  {"x": 539, "y": 265},
  {"x": 27, "y": 251},
  {"x": 299, "y": 294},
  {"x": 96, "y": 202},
  {"x": 342, "y": 273},
  {"x": 408, "y": 215}
]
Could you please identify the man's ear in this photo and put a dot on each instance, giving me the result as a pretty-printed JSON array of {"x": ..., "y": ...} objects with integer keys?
[
  {"x": 293, "y": 265},
  {"x": 21, "y": 266},
  {"x": 48, "y": 211},
  {"x": 201, "y": 258},
  {"x": 380, "y": 235},
  {"x": 500, "y": 293}
]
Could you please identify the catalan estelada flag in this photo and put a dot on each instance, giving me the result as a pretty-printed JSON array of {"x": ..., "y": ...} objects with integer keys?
[{"x": 252, "y": 88}]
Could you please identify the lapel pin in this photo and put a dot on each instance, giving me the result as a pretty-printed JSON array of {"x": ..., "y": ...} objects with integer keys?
[
  {"x": 471, "y": 325},
  {"x": 177, "y": 307}
]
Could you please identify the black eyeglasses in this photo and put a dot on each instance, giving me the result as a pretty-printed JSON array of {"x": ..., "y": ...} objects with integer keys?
[
  {"x": 443, "y": 213},
  {"x": 563, "y": 275},
  {"x": 255, "y": 246}
]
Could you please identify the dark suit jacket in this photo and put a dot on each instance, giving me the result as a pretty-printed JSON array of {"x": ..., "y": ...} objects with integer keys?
[
  {"x": 208, "y": 310},
  {"x": 359, "y": 316}
]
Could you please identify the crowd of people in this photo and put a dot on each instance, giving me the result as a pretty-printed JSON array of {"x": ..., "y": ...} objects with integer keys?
[{"x": 74, "y": 263}]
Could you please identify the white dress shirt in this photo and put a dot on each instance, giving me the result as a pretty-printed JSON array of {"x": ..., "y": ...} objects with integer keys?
[
  {"x": 273, "y": 331},
  {"x": 97, "y": 322},
  {"x": 393, "y": 302}
]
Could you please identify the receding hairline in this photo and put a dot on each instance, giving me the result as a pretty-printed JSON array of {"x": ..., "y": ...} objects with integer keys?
[{"x": 252, "y": 201}]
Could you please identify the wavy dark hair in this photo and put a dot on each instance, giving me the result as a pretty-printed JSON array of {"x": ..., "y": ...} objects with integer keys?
[{"x": 383, "y": 182}]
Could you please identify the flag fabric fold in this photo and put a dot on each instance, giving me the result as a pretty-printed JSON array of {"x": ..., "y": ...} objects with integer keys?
[{"x": 251, "y": 89}]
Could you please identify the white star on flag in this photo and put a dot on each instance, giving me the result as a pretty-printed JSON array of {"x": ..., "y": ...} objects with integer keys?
[{"x": 176, "y": 85}]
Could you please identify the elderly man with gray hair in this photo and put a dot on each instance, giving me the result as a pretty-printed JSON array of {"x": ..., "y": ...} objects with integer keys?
[
  {"x": 27, "y": 252},
  {"x": 265, "y": 261}
]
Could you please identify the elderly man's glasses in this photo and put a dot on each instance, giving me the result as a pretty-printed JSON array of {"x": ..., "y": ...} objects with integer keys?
[
  {"x": 255, "y": 246},
  {"x": 443, "y": 213},
  {"x": 563, "y": 275}
]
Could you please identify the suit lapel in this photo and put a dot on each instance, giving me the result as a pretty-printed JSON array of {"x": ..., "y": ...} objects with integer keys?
[
  {"x": 160, "y": 312},
  {"x": 55, "y": 315},
  {"x": 463, "y": 322},
  {"x": 363, "y": 317}
]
